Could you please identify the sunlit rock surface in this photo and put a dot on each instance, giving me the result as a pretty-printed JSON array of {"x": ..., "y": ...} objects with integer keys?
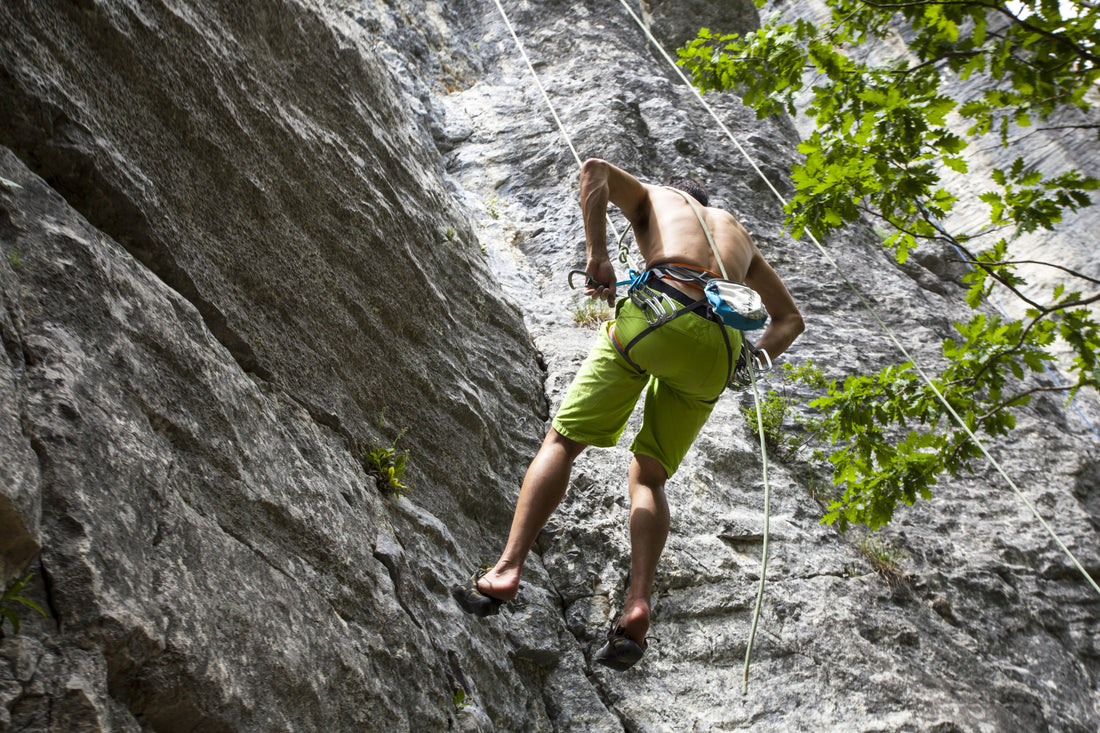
[{"x": 242, "y": 241}]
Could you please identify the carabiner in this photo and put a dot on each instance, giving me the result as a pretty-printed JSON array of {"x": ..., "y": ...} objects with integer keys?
[{"x": 589, "y": 281}]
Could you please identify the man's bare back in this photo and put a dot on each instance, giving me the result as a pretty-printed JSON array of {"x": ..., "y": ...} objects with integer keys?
[
  {"x": 671, "y": 233},
  {"x": 667, "y": 230}
]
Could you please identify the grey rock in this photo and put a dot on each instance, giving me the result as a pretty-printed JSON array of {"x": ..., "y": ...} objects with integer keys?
[
  {"x": 253, "y": 237},
  {"x": 20, "y": 511},
  {"x": 674, "y": 24}
]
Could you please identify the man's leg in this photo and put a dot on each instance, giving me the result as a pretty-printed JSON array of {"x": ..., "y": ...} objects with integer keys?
[
  {"x": 649, "y": 522},
  {"x": 543, "y": 488}
]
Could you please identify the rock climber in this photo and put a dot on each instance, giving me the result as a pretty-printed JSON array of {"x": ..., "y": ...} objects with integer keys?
[{"x": 683, "y": 359}]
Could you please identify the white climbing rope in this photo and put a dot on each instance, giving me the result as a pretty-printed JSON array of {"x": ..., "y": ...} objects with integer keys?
[
  {"x": 889, "y": 333},
  {"x": 557, "y": 120},
  {"x": 767, "y": 522}
]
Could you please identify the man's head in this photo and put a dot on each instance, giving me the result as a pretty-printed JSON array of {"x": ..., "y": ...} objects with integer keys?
[{"x": 690, "y": 187}]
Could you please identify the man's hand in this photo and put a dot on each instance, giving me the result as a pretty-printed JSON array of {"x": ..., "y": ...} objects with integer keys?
[{"x": 603, "y": 272}]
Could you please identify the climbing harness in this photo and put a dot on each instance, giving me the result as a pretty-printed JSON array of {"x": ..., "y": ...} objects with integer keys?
[
  {"x": 738, "y": 306},
  {"x": 660, "y": 303}
]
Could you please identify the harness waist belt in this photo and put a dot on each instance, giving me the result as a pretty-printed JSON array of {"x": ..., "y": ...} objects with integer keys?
[
  {"x": 671, "y": 291},
  {"x": 678, "y": 295}
]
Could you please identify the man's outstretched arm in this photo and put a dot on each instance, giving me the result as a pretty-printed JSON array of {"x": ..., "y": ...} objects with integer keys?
[{"x": 785, "y": 321}]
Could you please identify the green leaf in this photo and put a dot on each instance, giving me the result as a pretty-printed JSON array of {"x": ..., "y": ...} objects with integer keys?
[
  {"x": 12, "y": 617},
  {"x": 28, "y": 602}
]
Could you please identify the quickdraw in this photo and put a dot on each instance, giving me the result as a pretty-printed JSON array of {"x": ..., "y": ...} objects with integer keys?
[{"x": 752, "y": 364}]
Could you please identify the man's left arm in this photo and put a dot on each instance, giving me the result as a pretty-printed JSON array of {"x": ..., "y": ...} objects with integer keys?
[{"x": 784, "y": 322}]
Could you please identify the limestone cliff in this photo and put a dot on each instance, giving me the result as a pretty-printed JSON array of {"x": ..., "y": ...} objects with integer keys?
[{"x": 244, "y": 240}]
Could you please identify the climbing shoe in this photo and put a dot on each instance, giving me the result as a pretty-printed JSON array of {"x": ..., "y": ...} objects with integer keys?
[
  {"x": 473, "y": 600},
  {"x": 620, "y": 652}
]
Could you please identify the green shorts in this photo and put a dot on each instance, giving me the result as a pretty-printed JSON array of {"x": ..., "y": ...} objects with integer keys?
[{"x": 686, "y": 363}]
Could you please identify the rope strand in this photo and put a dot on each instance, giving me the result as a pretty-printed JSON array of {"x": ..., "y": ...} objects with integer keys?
[
  {"x": 550, "y": 106},
  {"x": 767, "y": 522}
]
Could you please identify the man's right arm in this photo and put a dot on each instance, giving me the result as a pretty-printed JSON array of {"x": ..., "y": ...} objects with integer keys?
[{"x": 600, "y": 183}]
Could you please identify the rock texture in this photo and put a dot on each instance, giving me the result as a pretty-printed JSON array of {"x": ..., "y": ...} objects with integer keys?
[
  {"x": 234, "y": 263},
  {"x": 243, "y": 240}
]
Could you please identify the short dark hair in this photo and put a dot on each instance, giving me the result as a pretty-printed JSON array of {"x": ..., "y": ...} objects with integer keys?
[{"x": 689, "y": 186}]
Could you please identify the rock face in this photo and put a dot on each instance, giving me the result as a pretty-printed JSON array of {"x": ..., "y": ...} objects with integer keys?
[
  {"x": 244, "y": 240},
  {"x": 234, "y": 263},
  {"x": 673, "y": 24}
]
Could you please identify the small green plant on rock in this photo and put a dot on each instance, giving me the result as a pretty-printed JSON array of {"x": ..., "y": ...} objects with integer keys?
[
  {"x": 590, "y": 313},
  {"x": 885, "y": 559},
  {"x": 388, "y": 465},
  {"x": 459, "y": 700},
  {"x": 777, "y": 404},
  {"x": 10, "y": 597}
]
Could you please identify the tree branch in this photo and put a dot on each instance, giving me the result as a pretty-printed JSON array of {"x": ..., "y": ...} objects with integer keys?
[
  {"x": 1020, "y": 395},
  {"x": 997, "y": 277},
  {"x": 937, "y": 59},
  {"x": 1066, "y": 270}
]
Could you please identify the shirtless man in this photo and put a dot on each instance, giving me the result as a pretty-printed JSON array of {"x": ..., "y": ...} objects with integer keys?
[{"x": 684, "y": 364}]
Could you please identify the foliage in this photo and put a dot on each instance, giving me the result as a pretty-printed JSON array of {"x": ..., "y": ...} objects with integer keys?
[
  {"x": 880, "y": 148},
  {"x": 590, "y": 313},
  {"x": 881, "y": 465},
  {"x": 777, "y": 404},
  {"x": 885, "y": 559},
  {"x": 388, "y": 465},
  {"x": 773, "y": 410},
  {"x": 10, "y": 597},
  {"x": 459, "y": 700}
]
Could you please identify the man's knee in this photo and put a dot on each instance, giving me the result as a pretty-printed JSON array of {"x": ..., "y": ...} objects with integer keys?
[
  {"x": 570, "y": 447},
  {"x": 650, "y": 472}
]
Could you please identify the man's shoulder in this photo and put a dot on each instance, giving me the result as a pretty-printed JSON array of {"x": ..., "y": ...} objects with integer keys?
[{"x": 723, "y": 215}]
